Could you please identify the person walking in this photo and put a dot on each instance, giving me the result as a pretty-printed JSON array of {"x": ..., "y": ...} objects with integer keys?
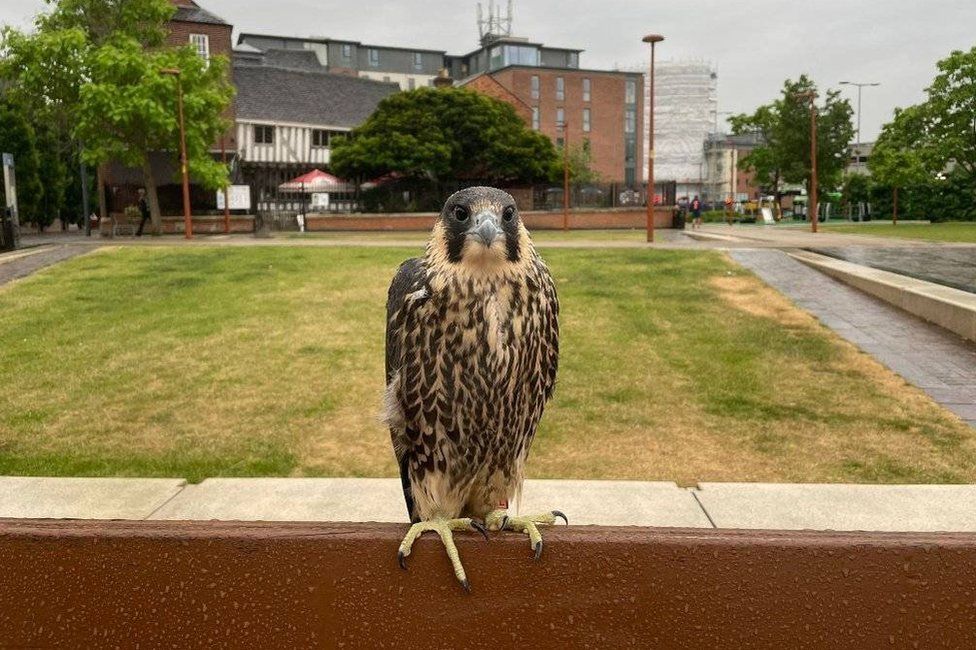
[
  {"x": 696, "y": 210},
  {"x": 143, "y": 210}
]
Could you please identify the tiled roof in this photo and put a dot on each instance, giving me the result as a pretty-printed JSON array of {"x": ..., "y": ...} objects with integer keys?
[
  {"x": 304, "y": 97},
  {"x": 293, "y": 60}
]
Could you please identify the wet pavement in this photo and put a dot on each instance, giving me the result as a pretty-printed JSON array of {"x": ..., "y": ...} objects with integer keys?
[
  {"x": 953, "y": 267},
  {"x": 23, "y": 262},
  {"x": 936, "y": 360}
]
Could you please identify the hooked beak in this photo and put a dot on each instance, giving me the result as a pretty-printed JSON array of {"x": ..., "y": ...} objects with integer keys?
[{"x": 485, "y": 228}]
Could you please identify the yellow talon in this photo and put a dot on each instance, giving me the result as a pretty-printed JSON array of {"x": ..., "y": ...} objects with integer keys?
[{"x": 444, "y": 529}]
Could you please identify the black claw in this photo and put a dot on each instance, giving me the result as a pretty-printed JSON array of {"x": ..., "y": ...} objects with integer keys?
[
  {"x": 466, "y": 586},
  {"x": 556, "y": 513},
  {"x": 538, "y": 549},
  {"x": 480, "y": 527},
  {"x": 402, "y": 560},
  {"x": 504, "y": 523}
]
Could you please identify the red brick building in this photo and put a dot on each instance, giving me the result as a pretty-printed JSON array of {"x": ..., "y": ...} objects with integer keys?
[
  {"x": 600, "y": 109},
  {"x": 210, "y": 36}
]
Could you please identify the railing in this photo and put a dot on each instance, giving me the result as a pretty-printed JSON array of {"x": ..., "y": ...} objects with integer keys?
[{"x": 207, "y": 584}]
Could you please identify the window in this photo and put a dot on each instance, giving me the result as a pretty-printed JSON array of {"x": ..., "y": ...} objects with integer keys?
[
  {"x": 504, "y": 55},
  {"x": 629, "y": 176},
  {"x": 263, "y": 134},
  {"x": 586, "y": 120},
  {"x": 374, "y": 57},
  {"x": 535, "y": 86},
  {"x": 586, "y": 89},
  {"x": 535, "y": 118},
  {"x": 418, "y": 61},
  {"x": 560, "y": 89},
  {"x": 201, "y": 43},
  {"x": 346, "y": 52},
  {"x": 560, "y": 117},
  {"x": 631, "y": 92},
  {"x": 573, "y": 61},
  {"x": 630, "y": 121},
  {"x": 320, "y": 138},
  {"x": 631, "y": 151},
  {"x": 586, "y": 146},
  {"x": 559, "y": 143},
  {"x": 411, "y": 83}
]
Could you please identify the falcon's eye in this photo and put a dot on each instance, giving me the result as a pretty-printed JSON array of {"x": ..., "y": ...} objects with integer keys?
[
  {"x": 460, "y": 212},
  {"x": 508, "y": 213}
]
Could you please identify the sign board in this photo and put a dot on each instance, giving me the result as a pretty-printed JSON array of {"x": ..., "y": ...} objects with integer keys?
[
  {"x": 767, "y": 215},
  {"x": 320, "y": 200},
  {"x": 10, "y": 191},
  {"x": 239, "y": 196}
]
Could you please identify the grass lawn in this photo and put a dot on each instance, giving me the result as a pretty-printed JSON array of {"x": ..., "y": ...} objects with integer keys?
[
  {"x": 234, "y": 361},
  {"x": 952, "y": 231}
]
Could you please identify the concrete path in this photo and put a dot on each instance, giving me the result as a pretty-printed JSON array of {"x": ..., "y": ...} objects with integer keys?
[
  {"x": 939, "y": 362},
  {"x": 801, "y": 237},
  {"x": 910, "y": 508},
  {"x": 23, "y": 262}
]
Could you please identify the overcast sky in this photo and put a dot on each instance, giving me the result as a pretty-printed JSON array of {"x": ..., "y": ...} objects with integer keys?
[{"x": 755, "y": 45}]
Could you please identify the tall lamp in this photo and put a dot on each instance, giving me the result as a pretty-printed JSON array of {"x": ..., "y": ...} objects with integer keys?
[{"x": 653, "y": 39}]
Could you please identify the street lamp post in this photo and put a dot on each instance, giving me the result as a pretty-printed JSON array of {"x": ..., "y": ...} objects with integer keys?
[
  {"x": 184, "y": 169},
  {"x": 860, "y": 86},
  {"x": 653, "y": 39},
  {"x": 812, "y": 203}
]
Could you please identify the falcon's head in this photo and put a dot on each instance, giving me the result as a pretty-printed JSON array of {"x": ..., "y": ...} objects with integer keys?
[{"x": 480, "y": 226}]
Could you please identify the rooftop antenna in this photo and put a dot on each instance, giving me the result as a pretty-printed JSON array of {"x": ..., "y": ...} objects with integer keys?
[{"x": 494, "y": 25}]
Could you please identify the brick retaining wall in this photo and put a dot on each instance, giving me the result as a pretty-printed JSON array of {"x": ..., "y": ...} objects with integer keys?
[{"x": 536, "y": 220}]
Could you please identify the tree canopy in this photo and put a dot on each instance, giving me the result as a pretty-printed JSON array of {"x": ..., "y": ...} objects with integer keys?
[
  {"x": 445, "y": 134},
  {"x": 932, "y": 145},
  {"x": 92, "y": 67},
  {"x": 17, "y": 137},
  {"x": 784, "y": 130}
]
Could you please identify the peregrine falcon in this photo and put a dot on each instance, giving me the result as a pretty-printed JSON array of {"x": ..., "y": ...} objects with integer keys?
[{"x": 472, "y": 346}]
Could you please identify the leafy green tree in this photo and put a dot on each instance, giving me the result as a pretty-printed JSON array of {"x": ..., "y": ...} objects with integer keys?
[
  {"x": 581, "y": 170},
  {"x": 835, "y": 131},
  {"x": 930, "y": 149},
  {"x": 766, "y": 159},
  {"x": 46, "y": 69},
  {"x": 17, "y": 137},
  {"x": 129, "y": 109},
  {"x": 784, "y": 127},
  {"x": 901, "y": 157},
  {"x": 52, "y": 173},
  {"x": 102, "y": 20},
  {"x": 951, "y": 111},
  {"x": 444, "y": 134}
]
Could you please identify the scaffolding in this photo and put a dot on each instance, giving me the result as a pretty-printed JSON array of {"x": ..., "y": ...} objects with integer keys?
[{"x": 685, "y": 113}]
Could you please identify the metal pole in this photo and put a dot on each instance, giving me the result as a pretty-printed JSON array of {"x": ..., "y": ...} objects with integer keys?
[
  {"x": 565, "y": 175},
  {"x": 652, "y": 39},
  {"x": 223, "y": 157},
  {"x": 857, "y": 147},
  {"x": 860, "y": 86}
]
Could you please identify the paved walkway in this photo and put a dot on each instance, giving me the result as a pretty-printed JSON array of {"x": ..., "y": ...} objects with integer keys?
[
  {"x": 23, "y": 262},
  {"x": 939, "y": 362},
  {"x": 953, "y": 267},
  {"x": 909, "y": 508}
]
